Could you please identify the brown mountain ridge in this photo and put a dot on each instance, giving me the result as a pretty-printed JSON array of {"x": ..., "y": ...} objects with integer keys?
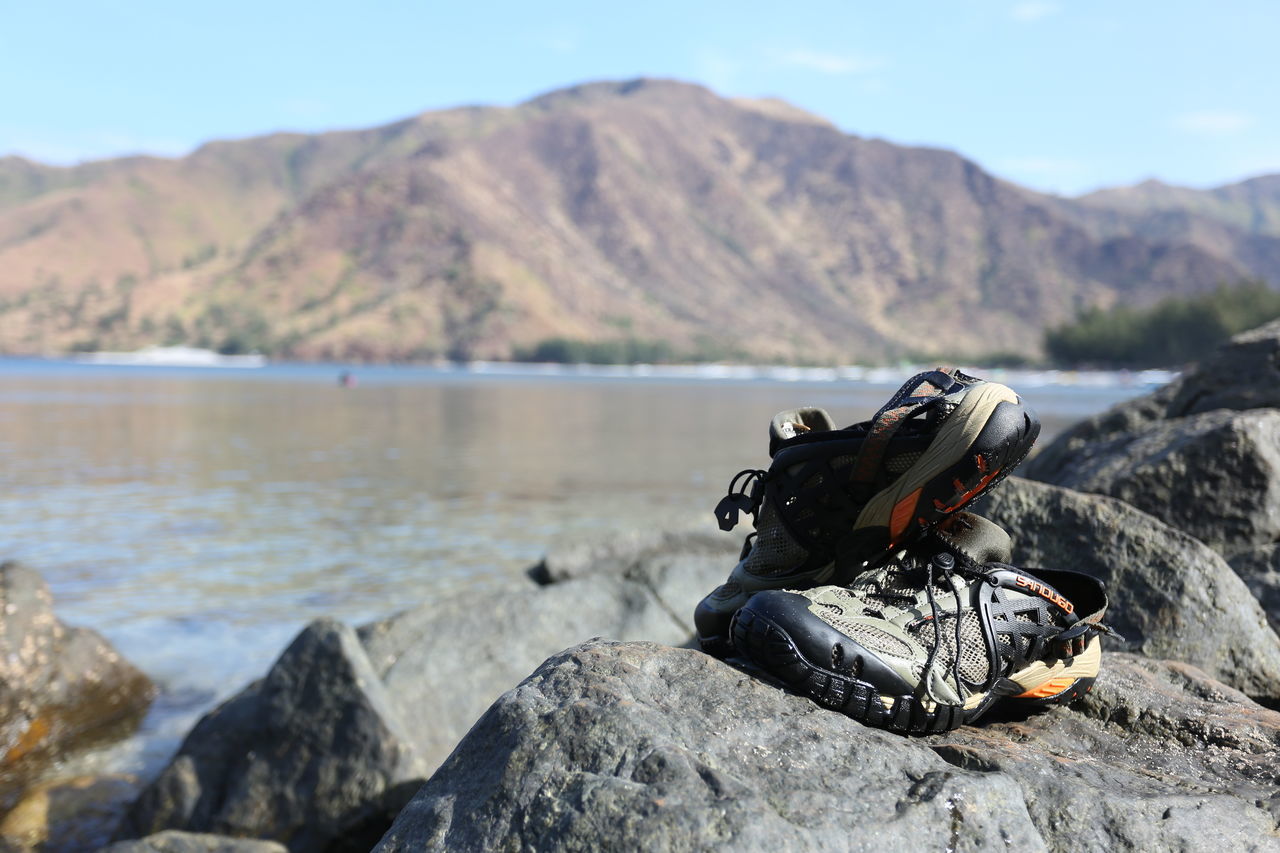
[{"x": 647, "y": 209}]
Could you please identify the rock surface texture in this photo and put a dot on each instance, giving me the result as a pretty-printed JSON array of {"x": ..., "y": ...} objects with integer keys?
[
  {"x": 637, "y": 746},
  {"x": 1260, "y": 571},
  {"x": 323, "y": 752},
  {"x": 1201, "y": 454},
  {"x": 172, "y": 841},
  {"x": 1158, "y": 756},
  {"x": 1171, "y": 595},
  {"x": 312, "y": 753},
  {"x": 1215, "y": 475},
  {"x": 60, "y": 686},
  {"x": 67, "y": 814}
]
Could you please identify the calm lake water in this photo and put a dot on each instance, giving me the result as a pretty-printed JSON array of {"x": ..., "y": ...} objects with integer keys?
[{"x": 200, "y": 517}]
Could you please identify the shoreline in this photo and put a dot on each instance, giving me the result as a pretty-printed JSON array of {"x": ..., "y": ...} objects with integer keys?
[{"x": 858, "y": 374}]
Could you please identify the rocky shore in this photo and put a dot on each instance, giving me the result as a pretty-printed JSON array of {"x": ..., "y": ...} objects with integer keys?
[{"x": 569, "y": 712}]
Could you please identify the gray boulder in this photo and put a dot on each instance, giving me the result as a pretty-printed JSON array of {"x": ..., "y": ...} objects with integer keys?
[
  {"x": 312, "y": 753},
  {"x": 1171, "y": 596},
  {"x": 636, "y": 746},
  {"x": 612, "y": 746},
  {"x": 173, "y": 841},
  {"x": 274, "y": 762},
  {"x": 61, "y": 687},
  {"x": 1201, "y": 454},
  {"x": 632, "y": 552},
  {"x": 1260, "y": 571},
  {"x": 1241, "y": 375},
  {"x": 1215, "y": 475},
  {"x": 488, "y": 642}
]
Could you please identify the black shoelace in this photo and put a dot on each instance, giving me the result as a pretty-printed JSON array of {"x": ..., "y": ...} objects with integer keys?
[
  {"x": 744, "y": 496},
  {"x": 942, "y": 567}
]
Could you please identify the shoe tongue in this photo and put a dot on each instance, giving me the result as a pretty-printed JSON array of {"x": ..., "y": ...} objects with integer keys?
[
  {"x": 981, "y": 540},
  {"x": 787, "y": 425}
]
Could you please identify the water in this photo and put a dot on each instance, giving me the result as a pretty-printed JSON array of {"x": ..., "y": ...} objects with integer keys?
[{"x": 199, "y": 518}]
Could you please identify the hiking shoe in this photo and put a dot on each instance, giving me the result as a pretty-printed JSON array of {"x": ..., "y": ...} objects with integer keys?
[
  {"x": 933, "y": 638},
  {"x": 834, "y": 499}
]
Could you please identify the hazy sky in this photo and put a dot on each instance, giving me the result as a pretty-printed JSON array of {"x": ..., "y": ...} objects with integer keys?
[{"x": 1062, "y": 96}]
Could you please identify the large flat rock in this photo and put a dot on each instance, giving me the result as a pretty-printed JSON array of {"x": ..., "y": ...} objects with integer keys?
[
  {"x": 1157, "y": 757},
  {"x": 640, "y": 747},
  {"x": 172, "y": 841},
  {"x": 637, "y": 746}
]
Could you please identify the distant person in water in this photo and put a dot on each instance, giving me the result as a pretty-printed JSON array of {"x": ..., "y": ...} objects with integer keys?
[{"x": 346, "y": 380}]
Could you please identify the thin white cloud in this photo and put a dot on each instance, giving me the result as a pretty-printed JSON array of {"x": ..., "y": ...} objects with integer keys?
[
  {"x": 558, "y": 40},
  {"x": 828, "y": 63},
  {"x": 1041, "y": 165},
  {"x": 1048, "y": 174},
  {"x": 716, "y": 70},
  {"x": 1033, "y": 10},
  {"x": 306, "y": 109},
  {"x": 1213, "y": 122}
]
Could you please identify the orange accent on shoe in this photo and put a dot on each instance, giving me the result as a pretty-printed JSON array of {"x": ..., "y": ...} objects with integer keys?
[
  {"x": 967, "y": 495},
  {"x": 1052, "y": 687},
  {"x": 1045, "y": 593},
  {"x": 902, "y": 512}
]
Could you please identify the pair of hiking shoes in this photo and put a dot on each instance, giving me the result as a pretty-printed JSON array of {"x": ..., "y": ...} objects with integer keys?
[{"x": 866, "y": 585}]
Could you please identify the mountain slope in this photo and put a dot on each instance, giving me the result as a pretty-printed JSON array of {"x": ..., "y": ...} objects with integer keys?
[{"x": 646, "y": 209}]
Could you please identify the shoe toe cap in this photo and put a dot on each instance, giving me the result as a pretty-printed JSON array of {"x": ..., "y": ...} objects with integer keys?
[{"x": 819, "y": 643}]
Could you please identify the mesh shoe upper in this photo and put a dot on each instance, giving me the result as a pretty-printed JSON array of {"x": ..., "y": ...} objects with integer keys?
[{"x": 951, "y": 628}]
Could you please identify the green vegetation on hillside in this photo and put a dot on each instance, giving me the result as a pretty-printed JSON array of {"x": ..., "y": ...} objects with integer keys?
[
  {"x": 625, "y": 351},
  {"x": 630, "y": 350},
  {"x": 1171, "y": 332},
  {"x": 235, "y": 329}
]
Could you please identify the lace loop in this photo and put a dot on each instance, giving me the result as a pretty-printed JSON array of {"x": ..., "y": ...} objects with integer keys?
[{"x": 739, "y": 499}]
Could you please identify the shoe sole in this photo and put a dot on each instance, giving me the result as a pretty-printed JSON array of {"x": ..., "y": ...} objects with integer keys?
[
  {"x": 716, "y": 612},
  {"x": 771, "y": 648},
  {"x": 988, "y": 435}
]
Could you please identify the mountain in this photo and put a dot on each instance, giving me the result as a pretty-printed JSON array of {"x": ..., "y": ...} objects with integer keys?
[{"x": 647, "y": 210}]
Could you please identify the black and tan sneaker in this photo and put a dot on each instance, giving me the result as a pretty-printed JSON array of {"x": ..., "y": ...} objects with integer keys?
[
  {"x": 835, "y": 499},
  {"x": 934, "y": 637}
]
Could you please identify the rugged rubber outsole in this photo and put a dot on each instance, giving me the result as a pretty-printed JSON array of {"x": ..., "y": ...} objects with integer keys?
[
  {"x": 913, "y": 505},
  {"x": 771, "y": 648}
]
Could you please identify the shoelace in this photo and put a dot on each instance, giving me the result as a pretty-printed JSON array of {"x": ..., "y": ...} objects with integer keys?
[
  {"x": 942, "y": 566},
  {"x": 945, "y": 563},
  {"x": 741, "y": 498}
]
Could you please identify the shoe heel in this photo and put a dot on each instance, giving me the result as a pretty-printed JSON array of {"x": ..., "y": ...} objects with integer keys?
[
  {"x": 1062, "y": 681},
  {"x": 717, "y": 647}
]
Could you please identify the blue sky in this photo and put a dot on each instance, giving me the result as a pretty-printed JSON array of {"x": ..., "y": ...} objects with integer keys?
[{"x": 1057, "y": 95}]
